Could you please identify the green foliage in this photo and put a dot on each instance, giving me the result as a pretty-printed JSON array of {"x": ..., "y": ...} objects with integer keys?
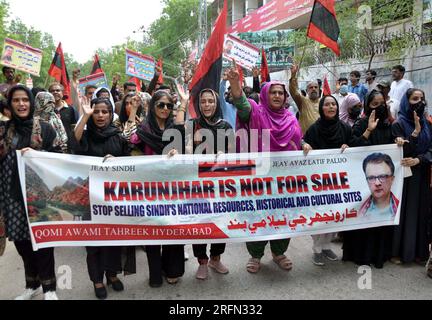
[
  {"x": 17, "y": 30},
  {"x": 172, "y": 31},
  {"x": 169, "y": 37},
  {"x": 357, "y": 43},
  {"x": 40, "y": 204}
]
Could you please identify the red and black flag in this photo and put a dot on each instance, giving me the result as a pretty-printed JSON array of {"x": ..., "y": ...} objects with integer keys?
[
  {"x": 323, "y": 26},
  {"x": 137, "y": 83},
  {"x": 209, "y": 70},
  {"x": 227, "y": 169},
  {"x": 160, "y": 65},
  {"x": 265, "y": 74},
  {"x": 326, "y": 87},
  {"x": 59, "y": 72},
  {"x": 97, "y": 68}
]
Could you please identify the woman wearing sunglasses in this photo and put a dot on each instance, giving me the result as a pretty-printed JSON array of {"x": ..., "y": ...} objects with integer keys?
[{"x": 167, "y": 259}]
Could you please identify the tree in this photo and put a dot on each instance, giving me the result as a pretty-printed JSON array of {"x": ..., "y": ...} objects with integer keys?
[
  {"x": 173, "y": 32},
  {"x": 360, "y": 43}
]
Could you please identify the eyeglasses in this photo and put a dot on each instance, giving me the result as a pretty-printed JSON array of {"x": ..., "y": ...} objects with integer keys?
[
  {"x": 162, "y": 105},
  {"x": 381, "y": 178}
]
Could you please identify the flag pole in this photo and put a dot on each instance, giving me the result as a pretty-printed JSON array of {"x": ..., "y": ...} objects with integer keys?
[
  {"x": 46, "y": 81},
  {"x": 302, "y": 57}
]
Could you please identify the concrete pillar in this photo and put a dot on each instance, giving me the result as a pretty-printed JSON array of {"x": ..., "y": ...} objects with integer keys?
[
  {"x": 251, "y": 5},
  {"x": 238, "y": 9}
]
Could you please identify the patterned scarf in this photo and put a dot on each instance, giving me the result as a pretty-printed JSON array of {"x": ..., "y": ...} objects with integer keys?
[{"x": 45, "y": 106}]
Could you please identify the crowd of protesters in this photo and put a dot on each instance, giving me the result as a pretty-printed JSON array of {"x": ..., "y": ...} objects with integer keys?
[{"x": 130, "y": 120}]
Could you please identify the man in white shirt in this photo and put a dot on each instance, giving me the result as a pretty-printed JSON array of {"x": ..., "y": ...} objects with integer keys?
[
  {"x": 399, "y": 86},
  {"x": 394, "y": 105},
  {"x": 341, "y": 90}
]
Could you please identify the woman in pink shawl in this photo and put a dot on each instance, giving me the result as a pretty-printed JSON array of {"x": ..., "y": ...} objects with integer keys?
[
  {"x": 285, "y": 135},
  {"x": 350, "y": 109}
]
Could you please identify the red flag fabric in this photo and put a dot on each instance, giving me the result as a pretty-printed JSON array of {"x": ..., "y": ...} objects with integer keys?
[
  {"x": 59, "y": 72},
  {"x": 160, "y": 65},
  {"x": 323, "y": 25},
  {"x": 137, "y": 82},
  {"x": 265, "y": 74},
  {"x": 241, "y": 74},
  {"x": 326, "y": 87},
  {"x": 97, "y": 68},
  {"x": 209, "y": 70}
]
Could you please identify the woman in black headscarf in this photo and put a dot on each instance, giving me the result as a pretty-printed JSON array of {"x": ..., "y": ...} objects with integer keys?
[
  {"x": 168, "y": 259},
  {"x": 413, "y": 235},
  {"x": 210, "y": 118},
  {"x": 22, "y": 133},
  {"x": 373, "y": 245},
  {"x": 101, "y": 139},
  {"x": 328, "y": 132}
]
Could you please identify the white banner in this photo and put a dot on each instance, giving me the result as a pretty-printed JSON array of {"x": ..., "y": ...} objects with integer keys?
[
  {"x": 245, "y": 54},
  {"x": 80, "y": 201}
]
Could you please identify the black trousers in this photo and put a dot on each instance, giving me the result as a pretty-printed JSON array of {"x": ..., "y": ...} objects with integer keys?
[
  {"x": 103, "y": 261},
  {"x": 200, "y": 250},
  {"x": 165, "y": 259},
  {"x": 39, "y": 266}
]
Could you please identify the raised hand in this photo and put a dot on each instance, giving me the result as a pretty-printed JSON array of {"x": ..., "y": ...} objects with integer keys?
[
  {"x": 184, "y": 96},
  {"x": 136, "y": 102},
  {"x": 233, "y": 73},
  {"x": 225, "y": 75},
  {"x": 373, "y": 123},
  {"x": 255, "y": 72},
  {"x": 116, "y": 78},
  {"x": 86, "y": 106}
]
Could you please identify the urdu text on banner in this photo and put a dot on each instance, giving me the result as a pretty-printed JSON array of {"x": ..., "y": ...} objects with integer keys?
[{"x": 81, "y": 201}]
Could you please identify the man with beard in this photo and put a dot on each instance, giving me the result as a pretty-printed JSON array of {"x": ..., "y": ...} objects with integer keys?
[
  {"x": 371, "y": 82},
  {"x": 308, "y": 106},
  {"x": 9, "y": 74}
]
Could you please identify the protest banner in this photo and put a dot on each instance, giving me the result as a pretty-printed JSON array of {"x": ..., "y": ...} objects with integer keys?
[
  {"x": 81, "y": 201},
  {"x": 139, "y": 65},
  {"x": 22, "y": 57},
  {"x": 273, "y": 13},
  {"x": 245, "y": 54},
  {"x": 278, "y": 45},
  {"x": 99, "y": 80}
]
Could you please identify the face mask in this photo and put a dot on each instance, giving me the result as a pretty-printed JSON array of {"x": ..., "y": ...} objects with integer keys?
[
  {"x": 419, "y": 108},
  {"x": 354, "y": 112},
  {"x": 344, "y": 90},
  {"x": 381, "y": 113}
]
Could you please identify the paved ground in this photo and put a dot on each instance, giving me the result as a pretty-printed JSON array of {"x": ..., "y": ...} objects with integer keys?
[{"x": 336, "y": 280}]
